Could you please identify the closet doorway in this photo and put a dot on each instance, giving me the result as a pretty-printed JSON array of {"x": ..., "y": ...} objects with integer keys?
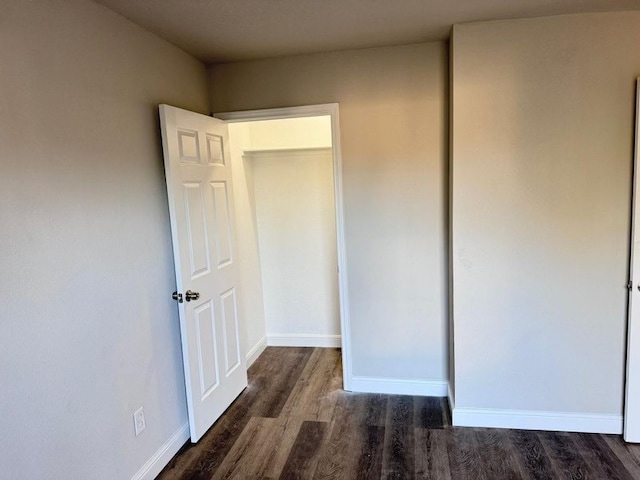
[{"x": 287, "y": 180}]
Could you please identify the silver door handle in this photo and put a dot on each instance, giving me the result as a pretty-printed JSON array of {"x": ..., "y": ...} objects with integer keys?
[
  {"x": 189, "y": 295},
  {"x": 177, "y": 297}
]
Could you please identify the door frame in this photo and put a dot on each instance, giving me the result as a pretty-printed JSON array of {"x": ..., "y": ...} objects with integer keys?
[
  {"x": 331, "y": 110},
  {"x": 631, "y": 423}
]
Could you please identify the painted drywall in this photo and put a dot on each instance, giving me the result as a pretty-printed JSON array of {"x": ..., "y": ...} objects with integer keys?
[
  {"x": 542, "y": 164},
  {"x": 393, "y": 119},
  {"x": 450, "y": 293},
  {"x": 306, "y": 132},
  {"x": 260, "y": 137},
  {"x": 251, "y": 296},
  {"x": 88, "y": 331},
  {"x": 295, "y": 214}
]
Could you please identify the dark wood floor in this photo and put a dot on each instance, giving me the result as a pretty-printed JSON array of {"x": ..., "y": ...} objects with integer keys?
[{"x": 294, "y": 422}]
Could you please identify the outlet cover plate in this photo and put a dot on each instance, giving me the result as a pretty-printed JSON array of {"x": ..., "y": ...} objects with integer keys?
[{"x": 138, "y": 421}]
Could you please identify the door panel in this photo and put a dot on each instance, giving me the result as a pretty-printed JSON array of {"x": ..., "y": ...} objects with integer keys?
[
  {"x": 215, "y": 150},
  {"x": 189, "y": 146},
  {"x": 230, "y": 325},
  {"x": 206, "y": 338},
  {"x": 199, "y": 190},
  {"x": 222, "y": 223},
  {"x": 196, "y": 229}
]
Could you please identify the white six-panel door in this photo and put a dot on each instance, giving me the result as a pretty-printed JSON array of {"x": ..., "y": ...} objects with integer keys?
[
  {"x": 632, "y": 397},
  {"x": 199, "y": 188}
]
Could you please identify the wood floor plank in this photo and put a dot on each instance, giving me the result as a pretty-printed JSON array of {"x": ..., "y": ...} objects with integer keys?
[
  {"x": 464, "y": 455},
  {"x": 566, "y": 460},
  {"x": 400, "y": 410},
  {"x": 315, "y": 393},
  {"x": 363, "y": 408},
  {"x": 428, "y": 412},
  {"x": 332, "y": 390},
  {"x": 370, "y": 454},
  {"x": 295, "y": 421},
  {"x": 375, "y": 409},
  {"x": 353, "y": 448},
  {"x": 277, "y": 382},
  {"x": 337, "y": 458},
  {"x": 431, "y": 455},
  {"x": 498, "y": 455},
  {"x": 197, "y": 462},
  {"x": 179, "y": 468},
  {"x": 305, "y": 453},
  {"x": 534, "y": 461},
  {"x": 240, "y": 458},
  {"x": 632, "y": 448},
  {"x": 600, "y": 458},
  {"x": 280, "y": 445},
  {"x": 273, "y": 358},
  {"x": 399, "y": 444},
  {"x": 352, "y": 451},
  {"x": 623, "y": 452},
  {"x": 398, "y": 462},
  {"x": 254, "y": 450}
]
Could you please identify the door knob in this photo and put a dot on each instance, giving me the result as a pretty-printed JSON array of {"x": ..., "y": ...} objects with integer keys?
[
  {"x": 177, "y": 297},
  {"x": 189, "y": 295}
]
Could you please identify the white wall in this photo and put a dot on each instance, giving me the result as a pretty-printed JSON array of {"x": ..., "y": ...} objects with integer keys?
[
  {"x": 262, "y": 137},
  {"x": 88, "y": 332},
  {"x": 295, "y": 214},
  {"x": 251, "y": 296},
  {"x": 306, "y": 132},
  {"x": 393, "y": 131},
  {"x": 542, "y": 159}
]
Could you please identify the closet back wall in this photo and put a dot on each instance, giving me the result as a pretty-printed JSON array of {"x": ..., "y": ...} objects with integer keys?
[
  {"x": 295, "y": 213},
  {"x": 283, "y": 182}
]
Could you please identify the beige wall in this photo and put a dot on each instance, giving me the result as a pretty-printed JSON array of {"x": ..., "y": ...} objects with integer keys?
[
  {"x": 88, "y": 332},
  {"x": 393, "y": 133},
  {"x": 542, "y": 124},
  {"x": 542, "y": 160}
]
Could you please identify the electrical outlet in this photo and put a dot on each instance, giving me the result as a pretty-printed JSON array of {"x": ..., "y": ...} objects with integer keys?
[{"x": 138, "y": 421}]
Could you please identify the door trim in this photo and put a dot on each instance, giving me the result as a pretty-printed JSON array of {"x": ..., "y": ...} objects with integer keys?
[
  {"x": 631, "y": 426},
  {"x": 332, "y": 110}
]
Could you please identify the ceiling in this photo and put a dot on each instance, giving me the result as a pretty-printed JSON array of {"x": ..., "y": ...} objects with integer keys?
[{"x": 217, "y": 31}]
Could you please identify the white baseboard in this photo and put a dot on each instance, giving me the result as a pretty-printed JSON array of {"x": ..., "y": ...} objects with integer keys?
[
  {"x": 537, "y": 420},
  {"x": 163, "y": 456},
  {"x": 256, "y": 351},
  {"x": 426, "y": 388},
  {"x": 303, "y": 340}
]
